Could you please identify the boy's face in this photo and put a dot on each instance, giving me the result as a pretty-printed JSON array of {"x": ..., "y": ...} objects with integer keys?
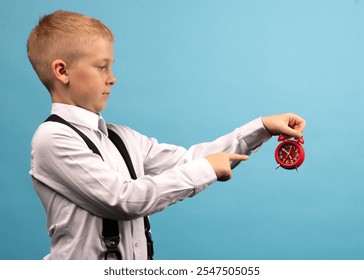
[{"x": 91, "y": 77}]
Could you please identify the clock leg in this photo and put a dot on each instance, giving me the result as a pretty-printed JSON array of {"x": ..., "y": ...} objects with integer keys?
[{"x": 278, "y": 166}]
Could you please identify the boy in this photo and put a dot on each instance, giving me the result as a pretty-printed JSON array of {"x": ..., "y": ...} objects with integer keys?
[{"x": 73, "y": 55}]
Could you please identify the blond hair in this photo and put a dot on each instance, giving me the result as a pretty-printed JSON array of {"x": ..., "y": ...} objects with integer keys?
[{"x": 62, "y": 35}]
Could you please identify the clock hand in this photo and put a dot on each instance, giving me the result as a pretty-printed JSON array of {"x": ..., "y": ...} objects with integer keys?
[
  {"x": 287, "y": 152},
  {"x": 290, "y": 149}
]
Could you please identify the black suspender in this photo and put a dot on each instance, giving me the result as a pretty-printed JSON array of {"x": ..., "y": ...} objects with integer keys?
[
  {"x": 119, "y": 144},
  {"x": 110, "y": 230}
]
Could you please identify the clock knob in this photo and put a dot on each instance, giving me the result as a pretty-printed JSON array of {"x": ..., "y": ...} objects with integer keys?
[
  {"x": 285, "y": 137},
  {"x": 300, "y": 140},
  {"x": 282, "y": 137}
]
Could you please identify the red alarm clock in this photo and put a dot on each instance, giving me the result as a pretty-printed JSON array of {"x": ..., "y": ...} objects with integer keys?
[{"x": 289, "y": 154}]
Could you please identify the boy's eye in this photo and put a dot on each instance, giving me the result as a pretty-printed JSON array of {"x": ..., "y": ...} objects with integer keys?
[{"x": 101, "y": 68}]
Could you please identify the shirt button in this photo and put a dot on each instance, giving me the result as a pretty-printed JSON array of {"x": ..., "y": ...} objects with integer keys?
[{"x": 136, "y": 244}]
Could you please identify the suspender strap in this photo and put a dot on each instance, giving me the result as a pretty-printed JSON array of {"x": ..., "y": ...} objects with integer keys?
[
  {"x": 110, "y": 234},
  {"x": 110, "y": 231},
  {"x": 110, "y": 228},
  {"x": 90, "y": 144},
  {"x": 118, "y": 142}
]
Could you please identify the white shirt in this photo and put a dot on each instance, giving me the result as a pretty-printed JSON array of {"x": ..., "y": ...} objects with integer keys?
[{"x": 78, "y": 188}]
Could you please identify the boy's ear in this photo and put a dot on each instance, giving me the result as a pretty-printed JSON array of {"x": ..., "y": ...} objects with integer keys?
[{"x": 59, "y": 69}]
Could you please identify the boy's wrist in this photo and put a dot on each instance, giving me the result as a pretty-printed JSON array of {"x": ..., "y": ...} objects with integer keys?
[{"x": 253, "y": 134}]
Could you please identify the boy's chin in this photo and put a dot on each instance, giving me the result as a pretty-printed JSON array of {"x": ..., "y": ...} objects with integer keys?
[{"x": 95, "y": 110}]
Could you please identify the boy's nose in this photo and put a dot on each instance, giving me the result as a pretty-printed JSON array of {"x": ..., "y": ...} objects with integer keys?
[{"x": 111, "y": 81}]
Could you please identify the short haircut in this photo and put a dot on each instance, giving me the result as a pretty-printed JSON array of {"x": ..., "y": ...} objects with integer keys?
[{"x": 62, "y": 35}]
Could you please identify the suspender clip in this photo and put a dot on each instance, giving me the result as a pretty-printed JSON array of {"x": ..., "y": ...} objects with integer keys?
[{"x": 112, "y": 247}]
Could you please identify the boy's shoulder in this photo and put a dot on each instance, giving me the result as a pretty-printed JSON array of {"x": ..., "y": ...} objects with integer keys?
[
  {"x": 126, "y": 133},
  {"x": 49, "y": 132}
]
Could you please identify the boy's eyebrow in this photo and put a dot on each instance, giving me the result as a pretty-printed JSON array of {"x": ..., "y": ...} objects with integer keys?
[{"x": 106, "y": 60}]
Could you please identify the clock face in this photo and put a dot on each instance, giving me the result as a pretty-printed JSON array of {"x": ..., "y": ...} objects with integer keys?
[{"x": 289, "y": 154}]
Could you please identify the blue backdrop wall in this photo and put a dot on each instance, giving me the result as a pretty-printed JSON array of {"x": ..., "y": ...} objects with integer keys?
[{"x": 189, "y": 71}]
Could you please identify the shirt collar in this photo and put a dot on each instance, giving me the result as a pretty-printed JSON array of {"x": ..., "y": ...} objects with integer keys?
[{"x": 76, "y": 115}]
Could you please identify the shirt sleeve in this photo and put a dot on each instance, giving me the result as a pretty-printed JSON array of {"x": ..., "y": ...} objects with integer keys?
[
  {"x": 159, "y": 157},
  {"x": 166, "y": 173},
  {"x": 62, "y": 163}
]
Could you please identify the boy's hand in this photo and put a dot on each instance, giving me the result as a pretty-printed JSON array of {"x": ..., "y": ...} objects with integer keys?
[
  {"x": 221, "y": 164},
  {"x": 288, "y": 124}
]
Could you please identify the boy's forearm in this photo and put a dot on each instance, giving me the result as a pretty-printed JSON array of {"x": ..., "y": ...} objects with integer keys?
[{"x": 242, "y": 140}]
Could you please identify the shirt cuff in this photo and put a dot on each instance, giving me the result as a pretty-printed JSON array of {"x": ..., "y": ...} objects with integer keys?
[
  {"x": 253, "y": 134},
  {"x": 201, "y": 174}
]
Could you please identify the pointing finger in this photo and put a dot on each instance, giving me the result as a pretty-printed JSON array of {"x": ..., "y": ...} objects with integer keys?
[{"x": 238, "y": 157}]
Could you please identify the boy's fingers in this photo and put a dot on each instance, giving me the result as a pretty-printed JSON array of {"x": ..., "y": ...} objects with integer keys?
[
  {"x": 296, "y": 126},
  {"x": 237, "y": 157},
  {"x": 291, "y": 132}
]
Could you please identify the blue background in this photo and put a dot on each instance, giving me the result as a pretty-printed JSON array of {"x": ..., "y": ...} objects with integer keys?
[{"x": 189, "y": 71}]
